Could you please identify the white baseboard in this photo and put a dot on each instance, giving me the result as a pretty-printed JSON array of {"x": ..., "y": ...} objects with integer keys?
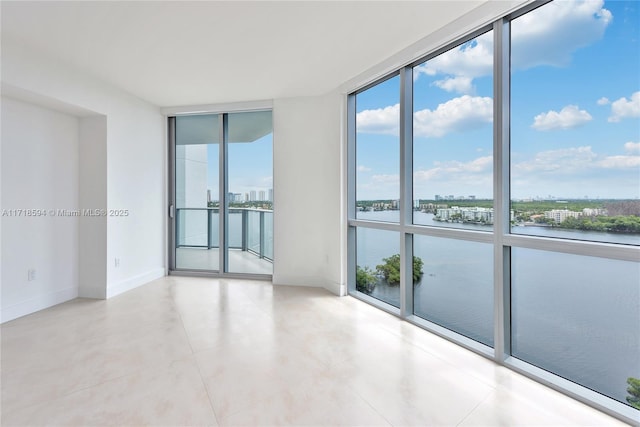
[
  {"x": 335, "y": 288},
  {"x": 38, "y": 303},
  {"x": 311, "y": 281},
  {"x": 98, "y": 292},
  {"x": 133, "y": 282}
]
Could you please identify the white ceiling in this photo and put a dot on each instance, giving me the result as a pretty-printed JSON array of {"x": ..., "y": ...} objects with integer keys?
[{"x": 176, "y": 53}]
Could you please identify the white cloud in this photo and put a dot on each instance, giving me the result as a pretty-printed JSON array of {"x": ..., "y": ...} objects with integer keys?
[
  {"x": 382, "y": 120},
  {"x": 569, "y": 117},
  {"x": 564, "y": 161},
  {"x": 574, "y": 161},
  {"x": 625, "y": 108},
  {"x": 462, "y": 64},
  {"x": 575, "y": 171},
  {"x": 546, "y": 36},
  {"x": 386, "y": 179},
  {"x": 564, "y": 170},
  {"x": 457, "y": 114},
  {"x": 603, "y": 101},
  {"x": 362, "y": 168},
  {"x": 550, "y": 34},
  {"x": 620, "y": 162},
  {"x": 460, "y": 84},
  {"x": 380, "y": 186},
  {"x": 444, "y": 171},
  {"x": 632, "y": 147},
  {"x": 452, "y": 177}
]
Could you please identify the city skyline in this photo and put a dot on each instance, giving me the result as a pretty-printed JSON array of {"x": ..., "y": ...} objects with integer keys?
[
  {"x": 453, "y": 197},
  {"x": 250, "y": 196},
  {"x": 575, "y": 109}
]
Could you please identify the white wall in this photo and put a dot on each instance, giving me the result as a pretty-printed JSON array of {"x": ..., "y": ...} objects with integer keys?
[
  {"x": 39, "y": 171},
  {"x": 136, "y": 181},
  {"x": 92, "y": 191},
  {"x": 135, "y": 163},
  {"x": 307, "y": 192}
]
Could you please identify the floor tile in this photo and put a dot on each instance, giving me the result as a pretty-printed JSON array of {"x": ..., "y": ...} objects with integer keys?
[
  {"x": 173, "y": 396},
  {"x": 203, "y": 351},
  {"x": 323, "y": 404}
]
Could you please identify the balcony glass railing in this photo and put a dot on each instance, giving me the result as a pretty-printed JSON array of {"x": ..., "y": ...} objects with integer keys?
[{"x": 250, "y": 230}]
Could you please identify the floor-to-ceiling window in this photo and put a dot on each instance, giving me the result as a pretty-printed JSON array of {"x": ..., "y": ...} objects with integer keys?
[
  {"x": 222, "y": 192},
  {"x": 495, "y": 195},
  {"x": 378, "y": 188},
  {"x": 453, "y": 187},
  {"x": 575, "y": 178}
]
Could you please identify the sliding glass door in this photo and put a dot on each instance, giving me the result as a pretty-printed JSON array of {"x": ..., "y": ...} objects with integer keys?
[
  {"x": 197, "y": 195},
  {"x": 250, "y": 192},
  {"x": 221, "y": 210}
]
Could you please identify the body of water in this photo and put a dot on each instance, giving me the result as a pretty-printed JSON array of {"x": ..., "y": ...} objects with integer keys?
[{"x": 572, "y": 315}]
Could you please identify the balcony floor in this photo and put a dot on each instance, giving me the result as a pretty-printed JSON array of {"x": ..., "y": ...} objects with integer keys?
[{"x": 208, "y": 259}]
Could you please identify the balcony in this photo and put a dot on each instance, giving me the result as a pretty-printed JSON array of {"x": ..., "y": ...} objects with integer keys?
[{"x": 250, "y": 240}]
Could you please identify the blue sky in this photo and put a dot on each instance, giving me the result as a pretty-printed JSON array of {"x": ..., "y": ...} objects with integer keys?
[
  {"x": 575, "y": 103},
  {"x": 250, "y": 166}
]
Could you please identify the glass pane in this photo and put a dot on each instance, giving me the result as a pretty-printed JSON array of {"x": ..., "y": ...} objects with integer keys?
[
  {"x": 575, "y": 121},
  {"x": 378, "y": 265},
  {"x": 453, "y": 137},
  {"x": 268, "y": 235},
  {"x": 577, "y": 317},
  {"x": 197, "y": 198},
  {"x": 378, "y": 152},
  {"x": 253, "y": 231},
  {"x": 235, "y": 228},
  {"x": 250, "y": 164},
  {"x": 455, "y": 289}
]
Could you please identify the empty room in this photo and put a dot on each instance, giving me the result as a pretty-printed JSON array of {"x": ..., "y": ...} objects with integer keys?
[{"x": 320, "y": 213}]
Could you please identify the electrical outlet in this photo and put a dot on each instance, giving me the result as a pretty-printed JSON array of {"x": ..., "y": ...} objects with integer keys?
[
  {"x": 31, "y": 274},
  {"x": 117, "y": 262}
]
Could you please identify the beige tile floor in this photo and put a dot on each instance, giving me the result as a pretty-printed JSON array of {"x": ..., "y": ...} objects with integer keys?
[{"x": 194, "y": 351}]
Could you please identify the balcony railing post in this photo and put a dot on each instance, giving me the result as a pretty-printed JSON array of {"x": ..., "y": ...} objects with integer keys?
[
  {"x": 245, "y": 228},
  {"x": 177, "y": 228},
  {"x": 209, "y": 227},
  {"x": 262, "y": 227}
]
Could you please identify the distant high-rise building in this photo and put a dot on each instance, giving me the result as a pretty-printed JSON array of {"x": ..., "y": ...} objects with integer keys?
[
  {"x": 230, "y": 197},
  {"x": 246, "y": 197},
  {"x": 559, "y": 215},
  {"x": 252, "y": 196},
  {"x": 438, "y": 197},
  {"x": 208, "y": 196},
  {"x": 270, "y": 195},
  {"x": 261, "y": 196}
]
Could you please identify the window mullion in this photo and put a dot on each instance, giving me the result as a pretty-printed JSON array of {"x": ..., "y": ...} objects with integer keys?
[
  {"x": 406, "y": 190},
  {"x": 351, "y": 192},
  {"x": 501, "y": 226}
]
